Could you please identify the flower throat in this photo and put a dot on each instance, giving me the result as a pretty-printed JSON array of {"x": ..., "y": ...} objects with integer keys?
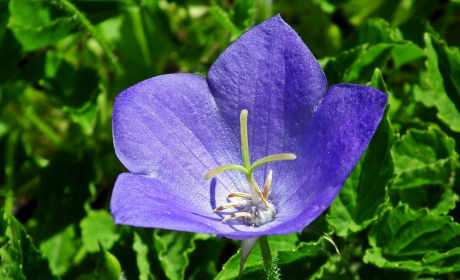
[{"x": 254, "y": 212}]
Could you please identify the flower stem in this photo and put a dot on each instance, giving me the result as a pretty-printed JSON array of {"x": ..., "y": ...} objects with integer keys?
[
  {"x": 267, "y": 257},
  {"x": 9, "y": 170},
  {"x": 94, "y": 32}
]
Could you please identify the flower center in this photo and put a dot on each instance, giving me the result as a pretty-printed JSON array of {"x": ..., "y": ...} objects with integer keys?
[{"x": 254, "y": 213}]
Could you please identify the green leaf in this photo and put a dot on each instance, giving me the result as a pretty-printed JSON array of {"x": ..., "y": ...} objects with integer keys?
[
  {"x": 203, "y": 257},
  {"x": 74, "y": 87},
  {"x": 107, "y": 267},
  {"x": 223, "y": 18},
  {"x": 243, "y": 13},
  {"x": 34, "y": 26},
  {"x": 143, "y": 264},
  {"x": 440, "y": 85},
  {"x": 373, "y": 31},
  {"x": 404, "y": 239},
  {"x": 424, "y": 157},
  {"x": 357, "y": 64},
  {"x": 447, "y": 202},
  {"x": 374, "y": 56},
  {"x": 59, "y": 250},
  {"x": 20, "y": 259},
  {"x": 98, "y": 225},
  {"x": 173, "y": 249},
  {"x": 363, "y": 193},
  {"x": 439, "y": 200},
  {"x": 376, "y": 31},
  {"x": 407, "y": 52}
]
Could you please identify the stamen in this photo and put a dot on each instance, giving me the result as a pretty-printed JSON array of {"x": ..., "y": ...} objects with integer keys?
[
  {"x": 236, "y": 215},
  {"x": 239, "y": 194},
  {"x": 268, "y": 184},
  {"x": 230, "y": 205},
  {"x": 260, "y": 195}
]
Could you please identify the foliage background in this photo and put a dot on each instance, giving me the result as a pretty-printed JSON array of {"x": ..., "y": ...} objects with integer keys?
[{"x": 62, "y": 63}]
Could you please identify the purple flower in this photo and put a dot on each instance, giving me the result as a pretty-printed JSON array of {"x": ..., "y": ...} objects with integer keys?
[{"x": 171, "y": 130}]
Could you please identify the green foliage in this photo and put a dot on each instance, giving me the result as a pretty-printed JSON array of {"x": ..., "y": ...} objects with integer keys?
[
  {"x": 424, "y": 157},
  {"x": 440, "y": 86},
  {"x": 98, "y": 227},
  {"x": 20, "y": 259},
  {"x": 293, "y": 258},
  {"x": 107, "y": 267},
  {"x": 63, "y": 62},
  {"x": 414, "y": 240}
]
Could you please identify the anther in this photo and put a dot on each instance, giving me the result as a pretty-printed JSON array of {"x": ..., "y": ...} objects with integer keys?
[
  {"x": 239, "y": 194},
  {"x": 236, "y": 215},
  {"x": 268, "y": 184},
  {"x": 230, "y": 205},
  {"x": 260, "y": 195}
]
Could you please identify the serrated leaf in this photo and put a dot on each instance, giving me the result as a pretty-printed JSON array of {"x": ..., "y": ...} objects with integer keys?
[
  {"x": 59, "y": 250},
  {"x": 98, "y": 225},
  {"x": 414, "y": 240},
  {"x": 173, "y": 248},
  {"x": 438, "y": 200},
  {"x": 142, "y": 260},
  {"x": 33, "y": 25},
  {"x": 440, "y": 87},
  {"x": 20, "y": 259},
  {"x": 357, "y": 64},
  {"x": 203, "y": 263},
  {"x": 357, "y": 204},
  {"x": 447, "y": 202},
  {"x": 424, "y": 157}
]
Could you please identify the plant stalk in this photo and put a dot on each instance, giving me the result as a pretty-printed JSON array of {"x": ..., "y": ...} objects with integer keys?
[{"x": 270, "y": 268}]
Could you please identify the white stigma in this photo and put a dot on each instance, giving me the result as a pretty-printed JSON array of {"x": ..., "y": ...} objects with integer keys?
[
  {"x": 260, "y": 214},
  {"x": 252, "y": 215}
]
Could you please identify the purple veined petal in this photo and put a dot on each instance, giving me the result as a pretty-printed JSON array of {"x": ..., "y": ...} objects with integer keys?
[
  {"x": 270, "y": 72},
  {"x": 168, "y": 128},
  {"x": 340, "y": 131},
  {"x": 141, "y": 201}
]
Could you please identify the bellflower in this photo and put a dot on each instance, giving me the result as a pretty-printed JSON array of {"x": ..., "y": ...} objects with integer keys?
[{"x": 189, "y": 141}]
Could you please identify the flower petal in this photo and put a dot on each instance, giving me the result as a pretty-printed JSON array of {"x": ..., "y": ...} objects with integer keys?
[
  {"x": 341, "y": 129},
  {"x": 270, "y": 72},
  {"x": 140, "y": 201},
  {"x": 146, "y": 202},
  {"x": 167, "y": 128}
]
